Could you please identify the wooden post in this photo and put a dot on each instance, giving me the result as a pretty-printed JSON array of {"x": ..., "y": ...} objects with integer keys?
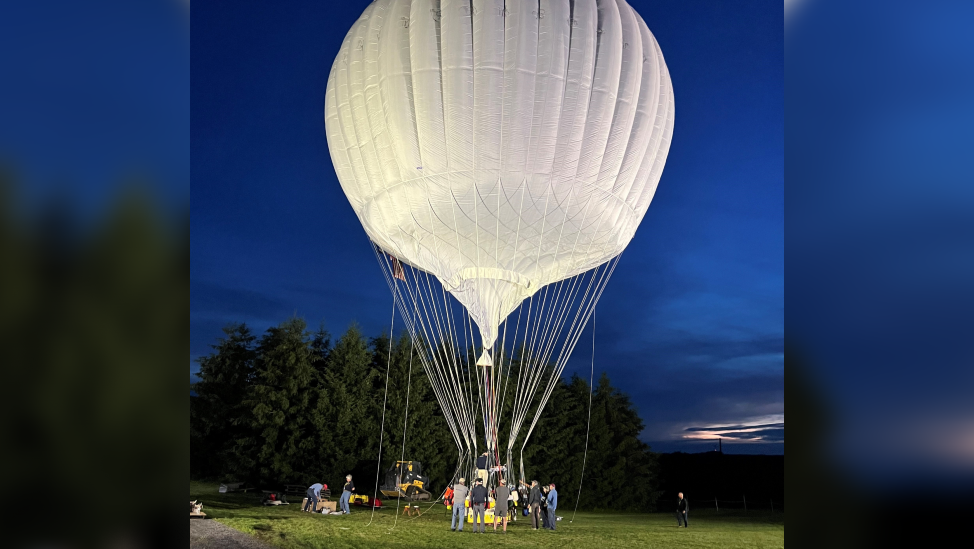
[
  {"x": 772, "y": 506},
  {"x": 715, "y": 504},
  {"x": 745, "y": 503}
]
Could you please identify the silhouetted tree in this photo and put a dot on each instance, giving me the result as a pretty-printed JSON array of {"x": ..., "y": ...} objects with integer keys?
[
  {"x": 277, "y": 442},
  {"x": 225, "y": 377}
]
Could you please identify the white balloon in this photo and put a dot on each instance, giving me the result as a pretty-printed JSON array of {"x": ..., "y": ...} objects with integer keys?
[{"x": 500, "y": 146}]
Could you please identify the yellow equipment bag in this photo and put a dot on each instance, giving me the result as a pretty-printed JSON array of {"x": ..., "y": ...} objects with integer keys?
[{"x": 488, "y": 515}]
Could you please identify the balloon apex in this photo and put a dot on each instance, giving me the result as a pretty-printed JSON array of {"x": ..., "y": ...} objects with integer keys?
[{"x": 485, "y": 359}]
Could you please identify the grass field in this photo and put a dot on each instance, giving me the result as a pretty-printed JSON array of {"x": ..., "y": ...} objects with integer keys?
[{"x": 287, "y": 527}]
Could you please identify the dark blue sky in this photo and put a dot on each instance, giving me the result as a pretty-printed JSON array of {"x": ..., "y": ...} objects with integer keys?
[
  {"x": 94, "y": 95},
  {"x": 692, "y": 323}
]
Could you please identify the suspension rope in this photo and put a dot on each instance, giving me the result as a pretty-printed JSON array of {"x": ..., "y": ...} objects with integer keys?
[
  {"x": 591, "y": 379},
  {"x": 567, "y": 350},
  {"x": 405, "y": 420},
  {"x": 382, "y": 425},
  {"x": 570, "y": 343}
]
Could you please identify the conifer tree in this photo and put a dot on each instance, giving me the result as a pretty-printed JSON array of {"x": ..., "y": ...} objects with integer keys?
[
  {"x": 349, "y": 410},
  {"x": 634, "y": 464},
  {"x": 225, "y": 377},
  {"x": 278, "y": 437}
]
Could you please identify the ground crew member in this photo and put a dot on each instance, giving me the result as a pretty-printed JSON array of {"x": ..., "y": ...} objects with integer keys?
[
  {"x": 478, "y": 500},
  {"x": 534, "y": 504},
  {"x": 459, "y": 496},
  {"x": 314, "y": 494},
  {"x": 347, "y": 494},
  {"x": 482, "y": 468},
  {"x": 501, "y": 495},
  {"x": 681, "y": 511},
  {"x": 552, "y": 505}
]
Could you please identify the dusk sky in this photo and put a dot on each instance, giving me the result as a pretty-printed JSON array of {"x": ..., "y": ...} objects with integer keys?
[{"x": 692, "y": 323}]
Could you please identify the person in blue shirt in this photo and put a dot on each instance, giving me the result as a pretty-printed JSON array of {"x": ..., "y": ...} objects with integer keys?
[
  {"x": 552, "y": 505},
  {"x": 314, "y": 494}
]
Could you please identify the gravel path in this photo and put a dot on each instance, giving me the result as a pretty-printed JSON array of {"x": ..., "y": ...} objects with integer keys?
[{"x": 210, "y": 534}]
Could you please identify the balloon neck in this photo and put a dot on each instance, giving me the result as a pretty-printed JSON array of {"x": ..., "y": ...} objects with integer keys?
[{"x": 485, "y": 359}]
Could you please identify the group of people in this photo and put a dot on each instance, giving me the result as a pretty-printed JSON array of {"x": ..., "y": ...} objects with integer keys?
[
  {"x": 314, "y": 495},
  {"x": 540, "y": 502}
]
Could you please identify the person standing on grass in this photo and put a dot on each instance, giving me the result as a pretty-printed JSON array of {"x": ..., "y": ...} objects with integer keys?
[
  {"x": 314, "y": 494},
  {"x": 681, "y": 511},
  {"x": 459, "y": 509},
  {"x": 552, "y": 505},
  {"x": 478, "y": 500},
  {"x": 347, "y": 494},
  {"x": 543, "y": 508},
  {"x": 534, "y": 504},
  {"x": 501, "y": 495}
]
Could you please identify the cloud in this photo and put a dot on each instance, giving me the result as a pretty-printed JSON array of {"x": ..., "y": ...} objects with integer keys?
[
  {"x": 755, "y": 435},
  {"x": 736, "y": 427},
  {"x": 757, "y": 430}
]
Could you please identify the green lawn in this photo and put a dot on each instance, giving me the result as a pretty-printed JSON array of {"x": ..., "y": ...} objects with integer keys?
[{"x": 287, "y": 527}]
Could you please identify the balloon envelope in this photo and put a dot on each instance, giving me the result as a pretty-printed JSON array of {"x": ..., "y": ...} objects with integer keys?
[{"x": 499, "y": 146}]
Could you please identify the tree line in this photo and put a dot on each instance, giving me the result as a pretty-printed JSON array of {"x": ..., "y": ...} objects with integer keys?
[{"x": 292, "y": 406}]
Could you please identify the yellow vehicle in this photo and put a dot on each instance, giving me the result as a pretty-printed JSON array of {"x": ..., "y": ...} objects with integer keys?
[{"x": 405, "y": 480}]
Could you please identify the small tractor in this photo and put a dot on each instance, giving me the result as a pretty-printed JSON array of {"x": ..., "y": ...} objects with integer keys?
[{"x": 405, "y": 480}]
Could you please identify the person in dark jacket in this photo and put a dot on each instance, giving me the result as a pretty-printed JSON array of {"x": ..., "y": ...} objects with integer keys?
[
  {"x": 543, "y": 508},
  {"x": 681, "y": 511},
  {"x": 482, "y": 473},
  {"x": 534, "y": 504},
  {"x": 478, "y": 501}
]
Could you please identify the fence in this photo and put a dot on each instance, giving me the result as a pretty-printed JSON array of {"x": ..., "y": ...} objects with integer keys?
[{"x": 743, "y": 504}]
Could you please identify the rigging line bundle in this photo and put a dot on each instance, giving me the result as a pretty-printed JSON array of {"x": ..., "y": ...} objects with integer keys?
[{"x": 462, "y": 393}]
